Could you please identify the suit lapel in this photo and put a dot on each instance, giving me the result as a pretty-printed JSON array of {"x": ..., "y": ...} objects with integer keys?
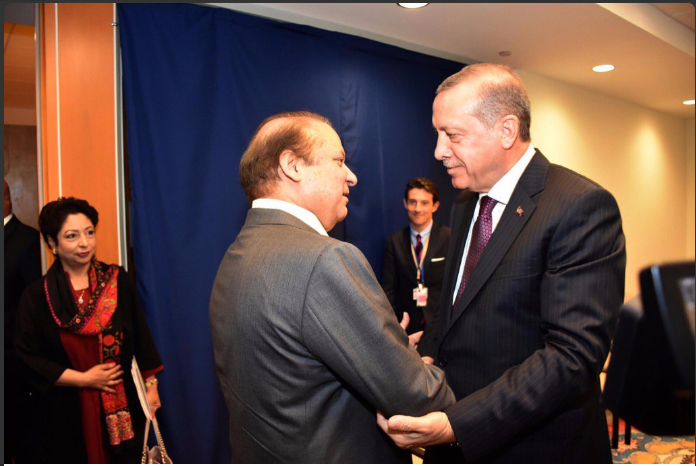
[
  {"x": 461, "y": 219},
  {"x": 506, "y": 232}
]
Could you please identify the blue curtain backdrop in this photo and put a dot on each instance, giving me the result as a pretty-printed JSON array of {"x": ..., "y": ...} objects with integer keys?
[{"x": 197, "y": 82}]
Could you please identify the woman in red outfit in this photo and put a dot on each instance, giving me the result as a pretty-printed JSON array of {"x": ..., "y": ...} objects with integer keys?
[{"x": 77, "y": 331}]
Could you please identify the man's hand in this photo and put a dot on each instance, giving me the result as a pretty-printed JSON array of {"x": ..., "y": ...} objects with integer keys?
[
  {"x": 414, "y": 338},
  {"x": 410, "y": 432},
  {"x": 405, "y": 320}
]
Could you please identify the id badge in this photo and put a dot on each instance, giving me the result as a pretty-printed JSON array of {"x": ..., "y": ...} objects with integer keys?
[
  {"x": 420, "y": 295},
  {"x": 417, "y": 290}
]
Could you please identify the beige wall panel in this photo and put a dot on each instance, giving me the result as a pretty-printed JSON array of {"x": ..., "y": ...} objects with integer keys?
[
  {"x": 20, "y": 172},
  {"x": 78, "y": 112},
  {"x": 690, "y": 189},
  {"x": 637, "y": 154}
]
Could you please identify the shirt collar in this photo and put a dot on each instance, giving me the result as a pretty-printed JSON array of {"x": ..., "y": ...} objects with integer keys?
[
  {"x": 7, "y": 219},
  {"x": 502, "y": 190},
  {"x": 296, "y": 211},
  {"x": 424, "y": 234}
]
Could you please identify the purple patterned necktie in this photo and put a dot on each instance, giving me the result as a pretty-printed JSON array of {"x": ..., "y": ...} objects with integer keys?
[
  {"x": 480, "y": 235},
  {"x": 418, "y": 248}
]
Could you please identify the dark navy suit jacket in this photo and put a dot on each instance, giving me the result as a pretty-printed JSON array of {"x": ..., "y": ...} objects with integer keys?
[
  {"x": 525, "y": 344},
  {"x": 399, "y": 275}
]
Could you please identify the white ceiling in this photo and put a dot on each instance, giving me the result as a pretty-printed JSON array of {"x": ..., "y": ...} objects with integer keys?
[{"x": 652, "y": 48}]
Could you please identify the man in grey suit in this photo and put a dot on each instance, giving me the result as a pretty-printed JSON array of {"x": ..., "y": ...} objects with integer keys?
[
  {"x": 532, "y": 288},
  {"x": 307, "y": 347}
]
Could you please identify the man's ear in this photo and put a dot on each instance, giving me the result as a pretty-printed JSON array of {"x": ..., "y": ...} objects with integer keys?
[
  {"x": 436, "y": 206},
  {"x": 288, "y": 166},
  {"x": 510, "y": 130}
]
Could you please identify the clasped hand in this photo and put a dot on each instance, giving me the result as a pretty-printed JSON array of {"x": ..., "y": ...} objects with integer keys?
[{"x": 410, "y": 432}]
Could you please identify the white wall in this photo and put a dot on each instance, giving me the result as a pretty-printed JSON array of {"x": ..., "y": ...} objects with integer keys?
[{"x": 640, "y": 155}]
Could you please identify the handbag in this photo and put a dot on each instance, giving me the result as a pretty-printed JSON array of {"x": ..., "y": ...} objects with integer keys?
[{"x": 158, "y": 453}]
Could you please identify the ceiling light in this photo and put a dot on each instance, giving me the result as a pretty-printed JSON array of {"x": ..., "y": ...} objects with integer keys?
[
  {"x": 603, "y": 68},
  {"x": 689, "y": 102},
  {"x": 412, "y": 6}
]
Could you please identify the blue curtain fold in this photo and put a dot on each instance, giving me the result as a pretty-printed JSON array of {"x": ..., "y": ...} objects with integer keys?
[{"x": 197, "y": 82}]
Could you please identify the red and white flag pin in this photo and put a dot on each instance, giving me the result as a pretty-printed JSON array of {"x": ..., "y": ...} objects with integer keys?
[{"x": 519, "y": 211}]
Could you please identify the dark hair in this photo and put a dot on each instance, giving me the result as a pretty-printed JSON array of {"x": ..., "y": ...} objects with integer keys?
[
  {"x": 54, "y": 213},
  {"x": 501, "y": 92},
  {"x": 425, "y": 184},
  {"x": 259, "y": 164}
]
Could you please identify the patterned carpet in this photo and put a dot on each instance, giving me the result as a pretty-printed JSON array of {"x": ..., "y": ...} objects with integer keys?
[{"x": 649, "y": 449}]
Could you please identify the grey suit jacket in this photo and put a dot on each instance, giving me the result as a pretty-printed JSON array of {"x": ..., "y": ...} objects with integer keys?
[{"x": 307, "y": 348}]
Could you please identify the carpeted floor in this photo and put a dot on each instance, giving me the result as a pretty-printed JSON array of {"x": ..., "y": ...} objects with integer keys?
[
  {"x": 650, "y": 449},
  {"x": 644, "y": 448}
]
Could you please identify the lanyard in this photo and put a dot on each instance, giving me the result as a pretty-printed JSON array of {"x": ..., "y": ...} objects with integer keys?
[{"x": 419, "y": 266}]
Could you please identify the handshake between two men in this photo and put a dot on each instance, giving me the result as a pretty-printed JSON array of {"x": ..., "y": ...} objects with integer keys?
[
  {"x": 307, "y": 347},
  {"x": 411, "y": 432}
]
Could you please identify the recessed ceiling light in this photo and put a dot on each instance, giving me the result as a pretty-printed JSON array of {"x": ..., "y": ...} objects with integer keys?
[
  {"x": 603, "y": 68},
  {"x": 412, "y": 6},
  {"x": 689, "y": 102}
]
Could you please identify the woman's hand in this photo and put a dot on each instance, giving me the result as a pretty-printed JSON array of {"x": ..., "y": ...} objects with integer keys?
[
  {"x": 153, "y": 399},
  {"x": 100, "y": 377},
  {"x": 103, "y": 377}
]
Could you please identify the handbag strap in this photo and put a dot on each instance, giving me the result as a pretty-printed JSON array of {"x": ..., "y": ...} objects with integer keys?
[
  {"x": 160, "y": 441},
  {"x": 147, "y": 433}
]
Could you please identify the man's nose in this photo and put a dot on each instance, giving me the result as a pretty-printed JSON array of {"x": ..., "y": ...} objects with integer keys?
[
  {"x": 442, "y": 149},
  {"x": 351, "y": 179}
]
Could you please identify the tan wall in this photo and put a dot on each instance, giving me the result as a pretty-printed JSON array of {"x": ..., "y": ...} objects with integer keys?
[
  {"x": 640, "y": 155},
  {"x": 20, "y": 116},
  {"x": 690, "y": 188},
  {"x": 78, "y": 112},
  {"x": 20, "y": 172}
]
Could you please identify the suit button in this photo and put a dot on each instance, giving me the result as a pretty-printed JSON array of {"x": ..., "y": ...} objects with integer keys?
[{"x": 442, "y": 362}]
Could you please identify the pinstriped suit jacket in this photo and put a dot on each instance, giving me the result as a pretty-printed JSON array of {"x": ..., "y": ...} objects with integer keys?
[
  {"x": 524, "y": 346},
  {"x": 307, "y": 348}
]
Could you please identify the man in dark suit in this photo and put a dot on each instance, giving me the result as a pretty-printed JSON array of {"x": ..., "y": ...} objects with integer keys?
[
  {"x": 306, "y": 345},
  {"x": 532, "y": 288},
  {"x": 414, "y": 258},
  {"x": 22, "y": 267}
]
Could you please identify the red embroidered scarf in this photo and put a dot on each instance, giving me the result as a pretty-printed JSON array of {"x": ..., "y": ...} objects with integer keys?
[{"x": 95, "y": 319}]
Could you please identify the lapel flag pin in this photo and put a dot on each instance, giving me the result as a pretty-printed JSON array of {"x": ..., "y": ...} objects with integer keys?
[{"x": 520, "y": 211}]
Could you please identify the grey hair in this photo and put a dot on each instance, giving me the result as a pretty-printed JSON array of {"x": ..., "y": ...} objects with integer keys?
[{"x": 501, "y": 93}]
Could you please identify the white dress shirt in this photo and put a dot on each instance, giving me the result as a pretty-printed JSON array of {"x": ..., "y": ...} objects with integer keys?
[
  {"x": 296, "y": 211},
  {"x": 425, "y": 234},
  {"x": 501, "y": 192}
]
